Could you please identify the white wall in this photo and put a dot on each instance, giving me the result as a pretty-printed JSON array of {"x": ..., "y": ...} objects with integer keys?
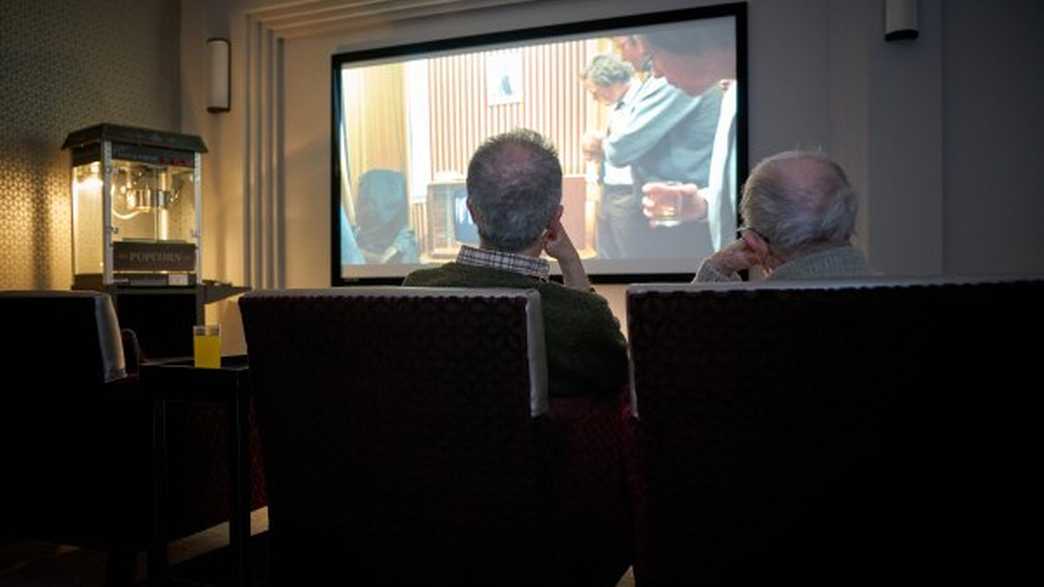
[
  {"x": 907, "y": 121},
  {"x": 905, "y": 148},
  {"x": 222, "y": 221},
  {"x": 993, "y": 95}
]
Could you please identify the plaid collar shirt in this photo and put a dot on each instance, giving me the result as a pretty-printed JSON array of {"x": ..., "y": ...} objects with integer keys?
[{"x": 521, "y": 264}]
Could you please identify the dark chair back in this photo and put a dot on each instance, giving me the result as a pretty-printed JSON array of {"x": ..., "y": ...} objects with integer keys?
[
  {"x": 399, "y": 433},
  {"x": 74, "y": 439},
  {"x": 75, "y": 329},
  {"x": 832, "y": 433}
]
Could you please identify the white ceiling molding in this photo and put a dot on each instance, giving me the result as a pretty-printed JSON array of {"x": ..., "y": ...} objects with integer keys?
[
  {"x": 264, "y": 253},
  {"x": 324, "y": 17}
]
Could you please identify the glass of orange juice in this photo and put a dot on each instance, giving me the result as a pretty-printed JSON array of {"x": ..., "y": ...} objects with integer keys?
[{"x": 206, "y": 346}]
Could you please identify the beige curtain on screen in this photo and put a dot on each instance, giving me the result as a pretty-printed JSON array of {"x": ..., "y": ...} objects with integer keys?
[{"x": 376, "y": 115}]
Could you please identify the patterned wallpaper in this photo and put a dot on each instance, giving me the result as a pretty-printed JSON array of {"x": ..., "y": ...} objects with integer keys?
[{"x": 64, "y": 65}]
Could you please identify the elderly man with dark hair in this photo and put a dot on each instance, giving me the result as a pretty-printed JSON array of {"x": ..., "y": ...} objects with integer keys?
[
  {"x": 514, "y": 195},
  {"x": 800, "y": 214},
  {"x": 607, "y": 78}
]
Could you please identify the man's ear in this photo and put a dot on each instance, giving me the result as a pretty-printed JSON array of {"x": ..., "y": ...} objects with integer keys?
[
  {"x": 471, "y": 210},
  {"x": 557, "y": 216}
]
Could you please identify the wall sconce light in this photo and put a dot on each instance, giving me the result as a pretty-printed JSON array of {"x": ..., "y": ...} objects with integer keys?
[
  {"x": 218, "y": 99},
  {"x": 900, "y": 20}
]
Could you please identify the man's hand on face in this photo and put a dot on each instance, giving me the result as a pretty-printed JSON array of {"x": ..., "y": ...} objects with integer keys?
[
  {"x": 560, "y": 247},
  {"x": 750, "y": 250},
  {"x": 592, "y": 146},
  {"x": 735, "y": 257},
  {"x": 558, "y": 244},
  {"x": 680, "y": 201}
]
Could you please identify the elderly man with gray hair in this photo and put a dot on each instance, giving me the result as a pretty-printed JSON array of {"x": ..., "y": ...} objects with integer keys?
[
  {"x": 514, "y": 195},
  {"x": 800, "y": 214}
]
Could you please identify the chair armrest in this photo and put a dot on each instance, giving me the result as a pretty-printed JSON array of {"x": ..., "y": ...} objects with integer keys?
[
  {"x": 129, "y": 387},
  {"x": 131, "y": 351}
]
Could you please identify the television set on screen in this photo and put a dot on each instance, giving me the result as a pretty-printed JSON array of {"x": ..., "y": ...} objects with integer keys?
[{"x": 641, "y": 110}]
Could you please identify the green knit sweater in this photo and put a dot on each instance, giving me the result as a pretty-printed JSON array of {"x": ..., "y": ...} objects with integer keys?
[{"x": 586, "y": 352}]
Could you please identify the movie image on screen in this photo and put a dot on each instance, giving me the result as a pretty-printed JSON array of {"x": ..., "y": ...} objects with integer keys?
[{"x": 647, "y": 113}]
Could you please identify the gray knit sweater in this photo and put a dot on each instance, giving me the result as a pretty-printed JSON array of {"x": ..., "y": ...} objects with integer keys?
[{"x": 838, "y": 262}]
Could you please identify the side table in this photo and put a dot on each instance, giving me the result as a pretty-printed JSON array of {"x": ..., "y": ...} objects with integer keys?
[{"x": 179, "y": 380}]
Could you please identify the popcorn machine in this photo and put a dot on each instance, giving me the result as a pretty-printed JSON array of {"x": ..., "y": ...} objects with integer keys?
[
  {"x": 136, "y": 204},
  {"x": 136, "y": 215}
]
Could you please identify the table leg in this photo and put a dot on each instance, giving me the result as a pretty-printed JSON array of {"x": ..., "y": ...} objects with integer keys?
[
  {"x": 157, "y": 566},
  {"x": 239, "y": 478}
]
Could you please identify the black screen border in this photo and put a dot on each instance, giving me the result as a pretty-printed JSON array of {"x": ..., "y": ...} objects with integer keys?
[{"x": 737, "y": 10}]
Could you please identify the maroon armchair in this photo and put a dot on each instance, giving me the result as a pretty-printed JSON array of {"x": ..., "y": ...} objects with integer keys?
[
  {"x": 75, "y": 429},
  {"x": 402, "y": 430},
  {"x": 76, "y": 434},
  {"x": 834, "y": 433}
]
